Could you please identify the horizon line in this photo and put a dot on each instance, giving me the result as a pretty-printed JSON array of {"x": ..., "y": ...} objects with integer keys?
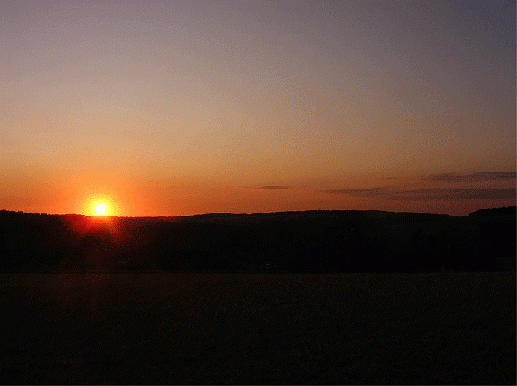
[{"x": 255, "y": 213}]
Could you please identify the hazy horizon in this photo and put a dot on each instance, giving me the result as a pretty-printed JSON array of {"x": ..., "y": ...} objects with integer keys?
[{"x": 190, "y": 107}]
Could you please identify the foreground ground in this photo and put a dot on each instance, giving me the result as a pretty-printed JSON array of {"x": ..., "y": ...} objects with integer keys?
[{"x": 445, "y": 328}]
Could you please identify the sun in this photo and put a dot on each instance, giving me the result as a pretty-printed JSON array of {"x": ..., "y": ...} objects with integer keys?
[
  {"x": 100, "y": 205},
  {"x": 100, "y": 209}
]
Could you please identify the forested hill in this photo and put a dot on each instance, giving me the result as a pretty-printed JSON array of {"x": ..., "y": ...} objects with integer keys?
[{"x": 310, "y": 241}]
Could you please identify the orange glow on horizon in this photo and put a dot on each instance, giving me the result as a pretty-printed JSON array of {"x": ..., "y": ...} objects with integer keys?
[{"x": 100, "y": 205}]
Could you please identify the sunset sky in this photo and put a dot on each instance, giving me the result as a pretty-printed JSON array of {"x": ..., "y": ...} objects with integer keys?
[{"x": 188, "y": 107}]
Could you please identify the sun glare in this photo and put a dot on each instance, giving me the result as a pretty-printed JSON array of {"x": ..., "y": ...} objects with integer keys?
[
  {"x": 100, "y": 205},
  {"x": 100, "y": 209}
]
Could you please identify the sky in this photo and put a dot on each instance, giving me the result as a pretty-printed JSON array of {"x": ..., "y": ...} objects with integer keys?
[{"x": 161, "y": 108}]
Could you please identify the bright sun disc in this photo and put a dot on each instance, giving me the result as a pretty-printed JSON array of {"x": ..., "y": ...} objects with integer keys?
[
  {"x": 100, "y": 205},
  {"x": 100, "y": 209}
]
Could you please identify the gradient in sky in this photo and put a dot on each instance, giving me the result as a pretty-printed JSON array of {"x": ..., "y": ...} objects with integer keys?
[{"x": 186, "y": 107}]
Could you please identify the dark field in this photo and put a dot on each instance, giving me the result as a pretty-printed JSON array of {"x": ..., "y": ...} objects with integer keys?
[{"x": 420, "y": 328}]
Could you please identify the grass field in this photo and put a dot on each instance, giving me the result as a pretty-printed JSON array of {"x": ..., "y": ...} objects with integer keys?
[{"x": 444, "y": 328}]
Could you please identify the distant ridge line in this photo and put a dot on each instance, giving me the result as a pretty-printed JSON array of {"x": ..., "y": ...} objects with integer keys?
[{"x": 500, "y": 211}]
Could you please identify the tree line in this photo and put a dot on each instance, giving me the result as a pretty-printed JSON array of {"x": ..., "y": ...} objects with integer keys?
[{"x": 310, "y": 241}]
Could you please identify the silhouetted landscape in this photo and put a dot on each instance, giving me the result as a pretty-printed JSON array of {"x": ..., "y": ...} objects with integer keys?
[
  {"x": 258, "y": 192},
  {"x": 316, "y": 297},
  {"x": 310, "y": 242}
]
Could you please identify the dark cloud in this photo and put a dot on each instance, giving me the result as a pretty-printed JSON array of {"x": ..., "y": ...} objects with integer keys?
[
  {"x": 474, "y": 177},
  {"x": 358, "y": 192},
  {"x": 455, "y": 194},
  {"x": 273, "y": 187},
  {"x": 430, "y": 194}
]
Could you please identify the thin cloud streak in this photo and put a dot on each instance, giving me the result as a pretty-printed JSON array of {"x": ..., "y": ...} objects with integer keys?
[
  {"x": 455, "y": 194},
  {"x": 358, "y": 192},
  {"x": 272, "y": 187},
  {"x": 430, "y": 194},
  {"x": 474, "y": 177}
]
